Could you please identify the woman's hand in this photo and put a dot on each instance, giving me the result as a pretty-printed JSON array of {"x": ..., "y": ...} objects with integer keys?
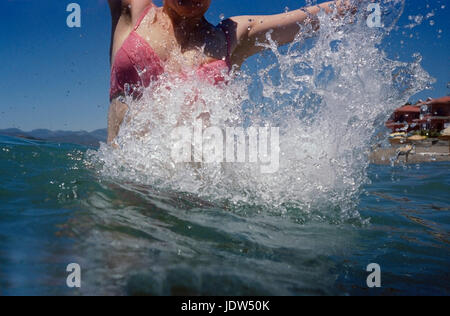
[{"x": 247, "y": 30}]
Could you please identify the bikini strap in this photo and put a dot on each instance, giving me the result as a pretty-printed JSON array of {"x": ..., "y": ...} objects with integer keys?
[
  {"x": 143, "y": 15},
  {"x": 228, "y": 39}
]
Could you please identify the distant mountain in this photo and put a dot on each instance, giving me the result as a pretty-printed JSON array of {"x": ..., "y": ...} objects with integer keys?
[
  {"x": 101, "y": 134},
  {"x": 84, "y": 138},
  {"x": 9, "y": 131}
]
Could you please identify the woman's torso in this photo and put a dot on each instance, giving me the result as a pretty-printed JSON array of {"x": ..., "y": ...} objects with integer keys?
[{"x": 152, "y": 47}]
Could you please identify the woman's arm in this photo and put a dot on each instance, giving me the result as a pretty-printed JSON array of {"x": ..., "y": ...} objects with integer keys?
[
  {"x": 116, "y": 6},
  {"x": 116, "y": 115},
  {"x": 123, "y": 15},
  {"x": 247, "y": 30}
]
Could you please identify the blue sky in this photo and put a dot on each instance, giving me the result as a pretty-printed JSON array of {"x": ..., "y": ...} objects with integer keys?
[{"x": 58, "y": 78}]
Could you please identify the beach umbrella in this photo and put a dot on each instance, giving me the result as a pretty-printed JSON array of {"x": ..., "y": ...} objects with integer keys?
[{"x": 416, "y": 138}]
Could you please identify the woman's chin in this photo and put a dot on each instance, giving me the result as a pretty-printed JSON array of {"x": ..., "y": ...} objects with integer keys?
[{"x": 190, "y": 8}]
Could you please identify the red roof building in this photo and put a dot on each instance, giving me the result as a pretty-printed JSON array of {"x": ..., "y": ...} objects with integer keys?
[{"x": 433, "y": 114}]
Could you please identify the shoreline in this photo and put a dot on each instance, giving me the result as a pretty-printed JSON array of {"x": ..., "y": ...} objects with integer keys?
[
  {"x": 424, "y": 151},
  {"x": 421, "y": 154}
]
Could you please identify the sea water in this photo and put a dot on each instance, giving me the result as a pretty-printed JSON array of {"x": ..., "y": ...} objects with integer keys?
[{"x": 130, "y": 238}]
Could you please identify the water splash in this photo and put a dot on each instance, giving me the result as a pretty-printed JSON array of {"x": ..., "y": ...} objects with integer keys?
[{"x": 329, "y": 96}]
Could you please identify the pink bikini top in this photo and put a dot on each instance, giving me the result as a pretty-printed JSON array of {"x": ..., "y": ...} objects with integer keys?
[{"x": 137, "y": 65}]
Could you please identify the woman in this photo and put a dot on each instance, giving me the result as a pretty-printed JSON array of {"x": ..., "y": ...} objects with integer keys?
[{"x": 148, "y": 41}]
